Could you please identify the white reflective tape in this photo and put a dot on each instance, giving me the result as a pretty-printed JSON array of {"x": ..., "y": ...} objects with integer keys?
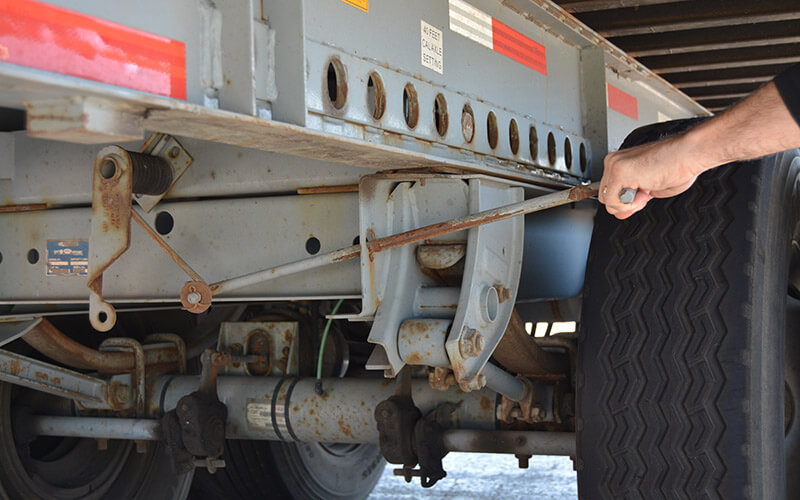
[{"x": 472, "y": 23}]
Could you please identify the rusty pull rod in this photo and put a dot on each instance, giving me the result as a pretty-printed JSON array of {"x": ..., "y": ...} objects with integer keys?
[{"x": 537, "y": 204}]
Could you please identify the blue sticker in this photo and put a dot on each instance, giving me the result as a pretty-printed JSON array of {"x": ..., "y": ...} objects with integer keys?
[{"x": 67, "y": 257}]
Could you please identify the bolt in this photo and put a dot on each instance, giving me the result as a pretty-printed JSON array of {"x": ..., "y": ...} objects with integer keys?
[
  {"x": 141, "y": 446},
  {"x": 471, "y": 343},
  {"x": 194, "y": 298},
  {"x": 120, "y": 395},
  {"x": 174, "y": 152},
  {"x": 523, "y": 460},
  {"x": 102, "y": 444}
]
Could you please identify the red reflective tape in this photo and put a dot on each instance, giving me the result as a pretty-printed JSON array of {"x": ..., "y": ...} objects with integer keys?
[
  {"x": 42, "y": 36},
  {"x": 513, "y": 44},
  {"x": 622, "y": 102}
]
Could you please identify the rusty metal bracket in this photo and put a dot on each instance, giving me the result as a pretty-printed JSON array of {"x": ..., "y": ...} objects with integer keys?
[
  {"x": 116, "y": 176},
  {"x": 112, "y": 188},
  {"x": 177, "y": 341},
  {"x": 131, "y": 345}
]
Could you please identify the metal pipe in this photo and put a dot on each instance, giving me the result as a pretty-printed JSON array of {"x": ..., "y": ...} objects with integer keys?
[
  {"x": 517, "y": 442},
  {"x": 289, "y": 409},
  {"x": 320, "y": 260},
  {"x": 98, "y": 428},
  {"x": 460, "y": 440},
  {"x": 50, "y": 341},
  {"x": 544, "y": 202},
  {"x": 504, "y": 383},
  {"x": 519, "y": 352}
]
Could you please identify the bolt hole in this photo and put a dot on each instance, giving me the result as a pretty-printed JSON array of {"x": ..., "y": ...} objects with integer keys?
[
  {"x": 108, "y": 169},
  {"x": 491, "y": 303},
  {"x": 533, "y": 143},
  {"x": 513, "y": 136},
  {"x": 337, "y": 83},
  {"x": 357, "y": 240},
  {"x": 568, "y": 153},
  {"x": 376, "y": 96},
  {"x": 582, "y": 157},
  {"x": 313, "y": 246},
  {"x": 164, "y": 223},
  {"x": 102, "y": 317},
  {"x": 33, "y": 256},
  {"x": 491, "y": 129},
  {"x": 410, "y": 106},
  {"x": 551, "y": 148},
  {"x": 440, "y": 117},
  {"x": 467, "y": 123},
  {"x": 1, "y": 257}
]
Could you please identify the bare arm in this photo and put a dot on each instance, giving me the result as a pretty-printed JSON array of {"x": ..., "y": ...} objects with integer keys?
[{"x": 759, "y": 125}]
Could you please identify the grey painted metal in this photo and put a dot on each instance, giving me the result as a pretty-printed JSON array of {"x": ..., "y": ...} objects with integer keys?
[
  {"x": 95, "y": 427},
  {"x": 560, "y": 238},
  {"x": 421, "y": 342},
  {"x": 390, "y": 278},
  {"x": 12, "y": 330},
  {"x": 32, "y": 373},
  {"x": 503, "y": 382},
  {"x": 436, "y": 301},
  {"x": 218, "y": 238},
  {"x": 490, "y": 282},
  {"x": 310, "y": 34},
  {"x": 289, "y": 409},
  {"x": 516, "y": 442},
  {"x": 218, "y": 170},
  {"x": 7, "y": 165}
]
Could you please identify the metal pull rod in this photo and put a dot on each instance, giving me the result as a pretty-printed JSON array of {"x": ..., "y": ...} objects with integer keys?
[{"x": 537, "y": 204}]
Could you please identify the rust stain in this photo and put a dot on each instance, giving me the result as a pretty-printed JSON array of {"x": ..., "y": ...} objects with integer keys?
[
  {"x": 579, "y": 193},
  {"x": 414, "y": 358},
  {"x": 486, "y": 404},
  {"x": 14, "y": 367},
  {"x": 345, "y": 428},
  {"x": 348, "y": 188},
  {"x": 30, "y": 207},
  {"x": 41, "y": 376}
]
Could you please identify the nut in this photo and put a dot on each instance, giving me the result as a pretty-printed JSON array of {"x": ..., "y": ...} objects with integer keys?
[
  {"x": 196, "y": 297},
  {"x": 471, "y": 343}
]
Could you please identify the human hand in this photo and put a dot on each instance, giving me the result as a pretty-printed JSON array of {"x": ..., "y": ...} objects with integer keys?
[{"x": 657, "y": 170}]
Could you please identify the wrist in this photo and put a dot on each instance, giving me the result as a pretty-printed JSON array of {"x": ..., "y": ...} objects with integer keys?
[{"x": 699, "y": 149}]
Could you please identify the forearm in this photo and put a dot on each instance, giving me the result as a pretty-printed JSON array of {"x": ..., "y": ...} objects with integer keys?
[{"x": 759, "y": 125}]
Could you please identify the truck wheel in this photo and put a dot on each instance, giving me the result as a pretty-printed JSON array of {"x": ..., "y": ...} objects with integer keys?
[
  {"x": 681, "y": 357},
  {"x": 71, "y": 468},
  {"x": 302, "y": 471}
]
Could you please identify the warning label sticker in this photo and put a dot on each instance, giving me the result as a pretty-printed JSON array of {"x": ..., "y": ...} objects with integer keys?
[
  {"x": 359, "y": 4},
  {"x": 258, "y": 415},
  {"x": 67, "y": 257},
  {"x": 432, "y": 48}
]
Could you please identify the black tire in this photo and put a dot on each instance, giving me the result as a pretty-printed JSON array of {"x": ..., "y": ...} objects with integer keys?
[
  {"x": 71, "y": 468},
  {"x": 681, "y": 355},
  {"x": 302, "y": 471}
]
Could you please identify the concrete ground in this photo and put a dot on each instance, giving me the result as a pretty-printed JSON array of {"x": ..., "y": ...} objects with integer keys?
[{"x": 483, "y": 476}]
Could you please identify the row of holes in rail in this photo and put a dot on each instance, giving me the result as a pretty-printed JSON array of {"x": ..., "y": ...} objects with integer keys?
[{"x": 336, "y": 80}]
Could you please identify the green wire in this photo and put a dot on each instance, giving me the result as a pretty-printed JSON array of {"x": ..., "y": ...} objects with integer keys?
[{"x": 325, "y": 338}]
